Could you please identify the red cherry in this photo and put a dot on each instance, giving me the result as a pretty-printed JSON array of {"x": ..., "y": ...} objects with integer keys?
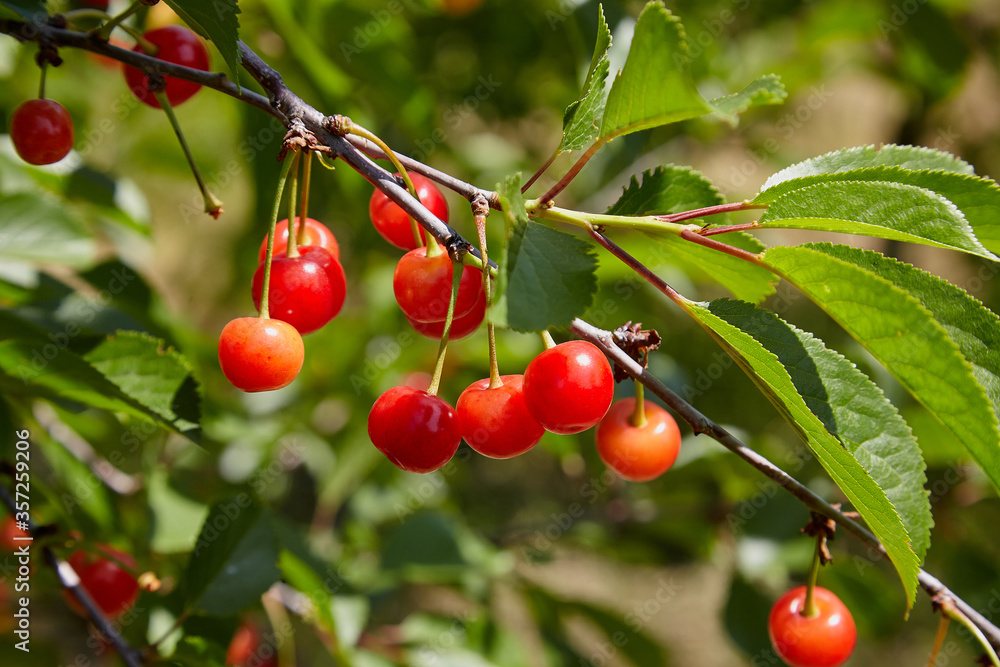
[
  {"x": 41, "y": 131},
  {"x": 417, "y": 431},
  {"x": 112, "y": 588},
  {"x": 8, "y": 534},
  {"x": 245, "y": 649},
  {"x": 393, "y": 223},
  {"x": 638, "y": 453},
  {"x": 496, "y": 422},
  {"x": 422, "y": 286},
  {"x": 569, "y": 388},
  {"x": 175, "y": 44},
  {"x": 460, "y": 327},
  {"x": 317, "y": 234},
  {"x": 258, "y": 354},
  {"x": 306, "y": 291},
  {"x": 825, "y": 639}
]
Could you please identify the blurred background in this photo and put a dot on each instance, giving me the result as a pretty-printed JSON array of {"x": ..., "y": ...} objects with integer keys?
[{"x": 548, "y": 558}]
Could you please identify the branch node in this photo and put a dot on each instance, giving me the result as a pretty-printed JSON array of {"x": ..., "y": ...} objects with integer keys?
[
  {"x": 637, "y": 343},
  {"x": 823, "y": 529}
]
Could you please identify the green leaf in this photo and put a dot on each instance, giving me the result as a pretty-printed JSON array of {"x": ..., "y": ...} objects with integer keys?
[
  {"x": 158, "y": 378},
  {"x": 234, "y": 559},
  {"x": 666, "y": 189},
  {"x": 580, "y": 121},
  {"x": 33, "y": 228},
  {"x": 848, "y": 159},
  {"x": 773, "y": 378},
  {"x": 977, "y": 198},
  {"x": 305, "y": 580},
  {"x": 973, "y": 327},
  {"x": 904, "y": 336},
  {"x": 175, "y": 516},
  {"x": 215, "y": 21},
  {"x": 747, "y": 282},
  {"x": 852, "y": 408},
  {"x": 767, "y": 89},
  {"x": 626, "y": 634},
  {"x": 550, "y": 278},
  {"x": 881, "y": 209},
  {"x": 29, "y": 10},
  {"x": 655, "y": 86}
]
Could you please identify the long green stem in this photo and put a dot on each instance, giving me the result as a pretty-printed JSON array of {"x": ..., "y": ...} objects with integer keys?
[
  {"x": 490, "y": 330},
  {"x": 304, "y": 208},
  {"x": 443, "y": 348},
  {"x": 638, "y": 416},
  {"x": 213, "y": 206},
  {"x": 275, "y": 209},
  {"x": 41, "y": 81},
  {"x": 292, "y": 247},
  {"x": 537, "y": 209},
  {"x": 952, "y": 612},
  {"x": 105, "y": 32},
  {"x": 547, "y": 340},
  {"x": 809, "y": 606}
]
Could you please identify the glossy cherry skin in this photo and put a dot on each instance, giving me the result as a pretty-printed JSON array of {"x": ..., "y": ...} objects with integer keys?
[
  {"x": 258, "y": 354},
  {"x": 569, "y": 388},
  {"x": 393, "y": 223},
  {"x": 111, "y": 587},
  {"x": 417, "y": 431},
  {"x": 496, "y": 422},
  {"x": 461, "y": 326},
  {"x": 422, "y": 286},
  {"x": 8, "y": 532},
  {"x": 41, "y": 131},
  {"x": 826, "y": 639},
  {"x": 178, "y": 45},
  {"x": 306, "y": 291},
  {"x": 638, "y": 453},
  {"x": 317, "y": 234}
]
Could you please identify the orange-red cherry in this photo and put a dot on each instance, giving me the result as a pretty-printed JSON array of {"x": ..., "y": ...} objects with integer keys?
[
  {"x": 460, "y": 328},
  {"x": 306, "y": 291},
  {"x": 638, "y": 453},
  {"x": 112, "y": 587},
  {"x": 259, "y": 354},
  {"x": 316, "y": 234},
  {"x": 417, "y": 431},
  {"x": 175, "y": 44},
  {"x": 393, "y": 223},
  {"x": 422, "y": 286},
  {"x": 825, "y": 639},
  {"x": 496, "y": 422}
]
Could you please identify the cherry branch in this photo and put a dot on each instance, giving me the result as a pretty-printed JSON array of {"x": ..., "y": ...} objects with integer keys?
[{"x": 315, "y": 128}]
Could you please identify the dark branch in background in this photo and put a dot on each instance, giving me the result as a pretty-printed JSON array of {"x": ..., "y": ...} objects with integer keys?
[
  {"x": 70, "y": 580},
  {"x": 292, "y": 110}
]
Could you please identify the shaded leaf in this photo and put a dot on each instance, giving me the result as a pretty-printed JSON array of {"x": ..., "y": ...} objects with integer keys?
[
  {"x": 303, "y": 579},
  {"x": 666, "y": 189},
  {"x": 892, "y": 211},
  {"x": 747, "y": 282},
  {"x": 655, "y": 85},
  {"x": 904, "y": 336},
  {"x": 29, "y": 10},
  {"x": 774, "y": 380},
  {"x": 767, "y": 89},
  {"x": 34, "y": 228}
]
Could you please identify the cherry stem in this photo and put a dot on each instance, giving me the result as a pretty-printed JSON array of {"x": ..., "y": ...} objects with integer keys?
[
  {"x": 715, "y": 210},
  {"x": 541, "y": 170},
  {"x": 574, "y": 170},
  {"x": 443, "y": 348},
  {"x": 738, "y": 253},
  {"x": 638, "y": 416},
  {"x": 547, "y": 340},
  {"x": 480, "y": 218},
  {"x": 41, "y": 81},
  {"x": 213, "y": 206},
  {"x": 304, "y": 208},
  {"x": 939, "y": 640},
  {"x": 292, "y": 246},
  {"x": 809, "y": 606},
  {"x": 949, "y": 609},
  {"x": 105, "y": 31},
  {"x": 275, "y": 209}
]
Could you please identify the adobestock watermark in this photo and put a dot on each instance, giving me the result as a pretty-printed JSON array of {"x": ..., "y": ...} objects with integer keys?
[
  {"x": 711, "y": 29},
  {"x": 430, "y": 485},
  {"x": 899, "y": 14},
  {"x": 430, "y": 654},
  {"x": 365, "y": 33},
  {"x": 455, "y": 115}
]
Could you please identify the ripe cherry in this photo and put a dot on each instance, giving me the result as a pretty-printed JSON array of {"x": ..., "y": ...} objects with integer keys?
[
  {"x": 568, "y": 388},
  {"x": 417, "y": 431},
  {"x": 496, "y": 422},
  {"x": 258, "y": 354},
  {"x": 460, "y": 328},
  {"x": 422, "y": 286},
  {"x": 112, "y": 587},
  {"x": 41, "y": 131},
  {"x": 306, "y": 291},
  {"x": 316, "y": 234},
  {"x": 245, "y": 649},
  {"x": 638, "y": 453},
  {"x": 8, "y": 534},
  {"x": 175, "y": 44},
  {"x": 393, "y": 223},
  {"x": 825, "y": 639}
]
